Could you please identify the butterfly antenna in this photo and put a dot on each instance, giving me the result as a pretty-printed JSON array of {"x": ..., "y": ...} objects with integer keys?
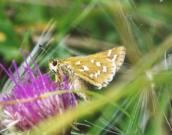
[{"x": 43, "y": 49}]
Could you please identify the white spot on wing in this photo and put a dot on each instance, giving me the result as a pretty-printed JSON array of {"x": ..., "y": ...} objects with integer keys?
[
  {"x": 85, "y": 68},
  {"x": 104, "y": 69},
  {"x": 92, "y": 61},
  {"x": 82, "y": 70},
  {"x": 91, "y": 75},
  {"x": 98, "y": 64},
  {"x": 109, "y": 53},
  {"x": 114, "y": 58},
  {"x": 78, "y": 63},
  {"x": 96, "y": 75},
  {"x": 98, "y": 72},
  {"x": 109, "y": 60}
]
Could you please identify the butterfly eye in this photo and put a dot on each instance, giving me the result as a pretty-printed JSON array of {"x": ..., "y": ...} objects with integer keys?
[{"x": 54, "y": 63}]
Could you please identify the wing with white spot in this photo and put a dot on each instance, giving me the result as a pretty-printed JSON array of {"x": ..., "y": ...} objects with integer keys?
[{"x": 100, "y": 68}]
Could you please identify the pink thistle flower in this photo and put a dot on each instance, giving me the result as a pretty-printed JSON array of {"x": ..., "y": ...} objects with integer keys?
[{"x": 23, "y": 108}]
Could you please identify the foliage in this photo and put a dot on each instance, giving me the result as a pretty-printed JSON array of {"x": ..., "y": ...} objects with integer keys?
[{"x": 138, "y": 101}]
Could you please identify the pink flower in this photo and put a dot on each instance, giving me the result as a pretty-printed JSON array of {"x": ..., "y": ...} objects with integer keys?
[{"x": 24, "y": 108}]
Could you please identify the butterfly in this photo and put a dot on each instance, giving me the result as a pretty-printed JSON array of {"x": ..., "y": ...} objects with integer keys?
[{"x": 97, "y": 69}]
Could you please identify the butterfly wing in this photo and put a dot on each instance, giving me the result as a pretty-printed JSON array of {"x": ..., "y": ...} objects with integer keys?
[{"x": 100, "y": 68}]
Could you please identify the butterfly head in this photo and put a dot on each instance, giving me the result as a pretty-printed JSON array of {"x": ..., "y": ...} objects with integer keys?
[
  {"x": 54, "y": 65},
  {"x": 61, "y": 69}
]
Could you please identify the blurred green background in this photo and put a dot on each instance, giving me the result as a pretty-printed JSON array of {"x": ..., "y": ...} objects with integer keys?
[{"x": 83, "y": 27}]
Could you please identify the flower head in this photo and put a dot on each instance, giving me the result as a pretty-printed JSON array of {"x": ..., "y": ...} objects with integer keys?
[{"x": 25, "y": 106}]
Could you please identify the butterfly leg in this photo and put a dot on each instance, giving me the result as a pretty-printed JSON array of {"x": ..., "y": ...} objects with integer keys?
[{"x": 57, "y": 78}]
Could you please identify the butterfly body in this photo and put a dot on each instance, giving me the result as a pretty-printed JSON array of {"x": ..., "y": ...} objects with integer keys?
[{"x": 97, "y": 69}]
